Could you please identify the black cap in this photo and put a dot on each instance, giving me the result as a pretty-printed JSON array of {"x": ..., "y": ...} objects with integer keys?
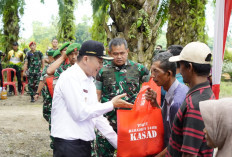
[
  {"x": 15, "y": 44},
  {"x": 93, "y": 48}
]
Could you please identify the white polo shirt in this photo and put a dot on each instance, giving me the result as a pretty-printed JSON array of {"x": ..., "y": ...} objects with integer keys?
[{"x": 76, "y": 110}]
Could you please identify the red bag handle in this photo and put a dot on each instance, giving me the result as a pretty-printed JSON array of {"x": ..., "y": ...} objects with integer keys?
[
  {"x": 49, "y": 81},
  {"x": 141, "y": 104}
]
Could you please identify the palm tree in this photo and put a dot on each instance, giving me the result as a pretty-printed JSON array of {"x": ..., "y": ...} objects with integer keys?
[
  {"x": 186, "y": 22},
  {"x": 10, "y": 10},
  {"x": 66, "y": 30},
  {"x": 138, "y": 21}
]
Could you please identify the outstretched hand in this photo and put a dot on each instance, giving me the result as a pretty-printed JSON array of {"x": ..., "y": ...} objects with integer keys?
[
  {"x": 119, "y": 103},
  {"x": 151, "y": 96}
]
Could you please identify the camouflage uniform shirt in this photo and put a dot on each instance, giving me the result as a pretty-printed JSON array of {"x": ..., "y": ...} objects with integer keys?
[
  {"x": 47, "y": 99},
  {"x": 34, "y": 65},
  {"x": 34, "y": 62},
  {"x": 59, "y": 70},
  {"x": 113, "y": 80}
]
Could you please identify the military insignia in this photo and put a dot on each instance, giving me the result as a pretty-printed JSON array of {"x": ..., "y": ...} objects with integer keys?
[{"x": 91, "y": 52}]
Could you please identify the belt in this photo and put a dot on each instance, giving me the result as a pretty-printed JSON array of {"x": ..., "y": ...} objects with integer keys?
[{"x": 77, "y": 141}]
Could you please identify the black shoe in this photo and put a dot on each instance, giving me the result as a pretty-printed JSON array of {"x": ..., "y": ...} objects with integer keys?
[{"x": 32, "y": 99}]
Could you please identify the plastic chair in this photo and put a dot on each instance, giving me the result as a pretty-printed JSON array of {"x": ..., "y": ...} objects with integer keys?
[
  {"x": 24, "y": 84},
  {"x": 8, "y": 78}
]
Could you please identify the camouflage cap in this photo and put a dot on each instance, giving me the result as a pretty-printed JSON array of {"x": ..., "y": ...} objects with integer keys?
[
  {"x": 50, "y": 52},
  {"x": 64, "y": 45},
  {"x": 73, "y": 47},
  {"x": 56, "y": 53}
]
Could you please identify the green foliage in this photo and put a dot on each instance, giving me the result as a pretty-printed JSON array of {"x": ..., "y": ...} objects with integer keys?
[
  {"x": 161, "y": 40},
  {"x": 132, "y": 31},
  {"x": 225, "y": 89},
  {"x": 227, "y": 67},
  {"x": 43, "y": 45},
  {"x": 123, "y": 6},
  {"x": 163, "y": 13},
  {"x": 82, "y": 32},
  {"x": 198, "y": 14},
  {"x": 66, "y": 24},
  {"x": 42, "y": 35},
  {"x": 10, "y": 10},
  {"x": 142, "y": 24},
  {"x": 1, "y": 41},
  {"x": 228, "y": 55},
  {"x": 139, "y": 22},
  {"x": 41, "y": 32},
  {"x": 100, "y": 16},
  {"x": 186, "y": 22}
]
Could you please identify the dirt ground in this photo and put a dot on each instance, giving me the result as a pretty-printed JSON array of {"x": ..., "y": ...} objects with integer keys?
[{"x": 23, "y": 130}]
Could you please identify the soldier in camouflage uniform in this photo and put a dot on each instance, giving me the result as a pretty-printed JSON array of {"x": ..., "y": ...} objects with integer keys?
[
  {"x": 42, "y": 87},
  {"x": 33, "y": 63},
  {"x": 116, "y": 77},
  {"x": 72, "y": 53},
  {"x": 47, "y": 98},
  {"x": 62, "y": 60},
  {"x": 47, "y": 106}
]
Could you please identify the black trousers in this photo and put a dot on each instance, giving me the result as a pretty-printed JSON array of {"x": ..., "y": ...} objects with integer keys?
[
  {"x": 18, "y": 75},
  {"x": 71, "y": 148}
]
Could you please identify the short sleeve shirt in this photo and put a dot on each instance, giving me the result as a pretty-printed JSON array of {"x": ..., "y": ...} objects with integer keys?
[
  {"x": 113, "y": 80},
  {"x": 187, "y": 130},
  {"x": 15, "y": 57}
]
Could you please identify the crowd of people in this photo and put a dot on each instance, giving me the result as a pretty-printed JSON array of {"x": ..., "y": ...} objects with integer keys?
[{"x": 82, "y": 89}]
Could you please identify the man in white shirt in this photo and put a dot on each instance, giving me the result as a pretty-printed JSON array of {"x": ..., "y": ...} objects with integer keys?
[{"x": 76, "y": 110}]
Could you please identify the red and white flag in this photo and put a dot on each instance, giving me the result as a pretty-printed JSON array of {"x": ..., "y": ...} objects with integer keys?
[{"x": 223, "y": 12}]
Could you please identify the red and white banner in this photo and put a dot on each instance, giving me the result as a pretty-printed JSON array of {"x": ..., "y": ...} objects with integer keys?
[{"x": 223, "y": 12}]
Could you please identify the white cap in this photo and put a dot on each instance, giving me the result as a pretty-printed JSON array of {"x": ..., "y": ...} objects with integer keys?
[{"x": 195, "y": 52}]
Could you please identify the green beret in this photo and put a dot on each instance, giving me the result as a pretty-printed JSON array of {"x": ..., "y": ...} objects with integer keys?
[
  {"x": 56, "y": 53},
  {"x": 50, "y": 52},
  {"x": 64, "y": 45},
  {"x": 73, "y": 47}
]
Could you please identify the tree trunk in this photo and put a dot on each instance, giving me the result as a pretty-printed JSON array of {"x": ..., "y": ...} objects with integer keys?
[
  {"x": 66, "y": 23},
  {"x": 186, "y": 22},
  {"x": 135, "y": 20},
  {"x": 10, "y": 24}
]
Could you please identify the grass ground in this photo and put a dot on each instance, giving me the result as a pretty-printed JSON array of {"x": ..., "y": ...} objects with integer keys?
[{"x": 226, "y": 89}]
